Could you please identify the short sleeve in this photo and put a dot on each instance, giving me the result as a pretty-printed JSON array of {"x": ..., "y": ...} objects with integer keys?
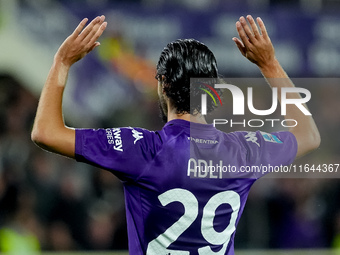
[
  {"x": 269, "y": 149},
  {"x": 123, "y": 151}
]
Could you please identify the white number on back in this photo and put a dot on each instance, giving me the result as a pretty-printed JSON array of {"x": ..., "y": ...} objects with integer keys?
[{"x": 160, "y": 244}]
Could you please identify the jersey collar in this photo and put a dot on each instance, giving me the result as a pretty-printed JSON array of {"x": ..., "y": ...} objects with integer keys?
[{"x": 189, "y": 124}]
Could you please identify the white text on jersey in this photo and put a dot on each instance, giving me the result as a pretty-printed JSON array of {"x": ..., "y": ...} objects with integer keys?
[
  {"x": 200, "y": 168},
  {"x": 199, "y": 140},
  {"x": 114, "y": 138}
]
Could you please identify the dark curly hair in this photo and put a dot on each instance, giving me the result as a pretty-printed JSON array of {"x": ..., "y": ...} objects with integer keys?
[{"x": 179, "y": 61}]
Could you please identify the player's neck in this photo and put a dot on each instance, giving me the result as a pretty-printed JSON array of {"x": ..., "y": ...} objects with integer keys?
[{"x": 198, "y": 118}]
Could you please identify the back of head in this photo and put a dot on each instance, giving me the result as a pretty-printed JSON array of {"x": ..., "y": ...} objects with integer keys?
[{"x": 179, "y": 61}]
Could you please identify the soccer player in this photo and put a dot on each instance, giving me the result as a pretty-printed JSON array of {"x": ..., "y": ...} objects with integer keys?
[{"x": 172, "y": 206}]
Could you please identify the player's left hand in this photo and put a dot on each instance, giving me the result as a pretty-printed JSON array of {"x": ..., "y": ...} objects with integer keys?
[
  {"x": 255, "y": 45},
  {"x": 82, "y": 41}
]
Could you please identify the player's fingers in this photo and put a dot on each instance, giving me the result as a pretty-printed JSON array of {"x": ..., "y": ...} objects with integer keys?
[
  {"x": 247, "y": 30},
  {"x": 96, "y": 44},
  {"x": 87, "y": 30},
  {"x": 253, "y": 26},
  {"x": 240, "y": 45},
  {"x": 79, "y": 28},
  {"x": 98, "y": 33},
  {"x": 90, "y": 37},
  {"x": 262, "y": 28},
  {"x": 242, "y": 34}
]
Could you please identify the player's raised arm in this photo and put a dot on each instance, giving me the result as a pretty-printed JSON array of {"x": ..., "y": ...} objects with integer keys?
[
  {"x": 49, "y": 130},
  {"x": 256, "y": 46}
]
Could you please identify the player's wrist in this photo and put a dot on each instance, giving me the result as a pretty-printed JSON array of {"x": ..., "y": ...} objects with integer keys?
[
  {"x": 60, "y": 71},
  {"x": 272, "y": 69},
  {"x": 59, "y": 60}
]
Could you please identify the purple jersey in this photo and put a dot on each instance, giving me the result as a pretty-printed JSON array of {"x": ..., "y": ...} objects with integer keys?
[{"x": 181, "y": 197}]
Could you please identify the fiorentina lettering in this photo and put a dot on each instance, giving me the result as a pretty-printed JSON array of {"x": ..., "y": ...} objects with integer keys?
[
  {"x": 114, "y": 138},
  {"x": 199, "y": 140}
]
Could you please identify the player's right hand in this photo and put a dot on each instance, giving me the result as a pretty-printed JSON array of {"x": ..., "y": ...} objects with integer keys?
[
  {"x": 254, "y": 44},
  {"x": 82, "y": 41}
]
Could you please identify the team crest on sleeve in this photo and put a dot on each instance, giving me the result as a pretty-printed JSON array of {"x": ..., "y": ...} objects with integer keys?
[
  {"x": 270, "y": 137},
  {"x": 251, "y": 137}
]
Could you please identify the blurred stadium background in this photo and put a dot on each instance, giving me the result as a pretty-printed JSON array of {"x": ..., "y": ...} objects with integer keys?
[{"x": 51, "y": 204}]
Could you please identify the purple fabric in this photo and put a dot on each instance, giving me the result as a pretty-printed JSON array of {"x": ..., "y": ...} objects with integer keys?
[{"x": 169, "y": 206}]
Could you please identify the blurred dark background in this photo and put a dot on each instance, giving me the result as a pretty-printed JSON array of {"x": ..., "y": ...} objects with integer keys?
[{"x": 48, "y": 202}]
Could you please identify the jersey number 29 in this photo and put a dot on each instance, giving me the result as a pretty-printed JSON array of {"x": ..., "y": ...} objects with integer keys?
[{"x": 160, "y": 244}]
